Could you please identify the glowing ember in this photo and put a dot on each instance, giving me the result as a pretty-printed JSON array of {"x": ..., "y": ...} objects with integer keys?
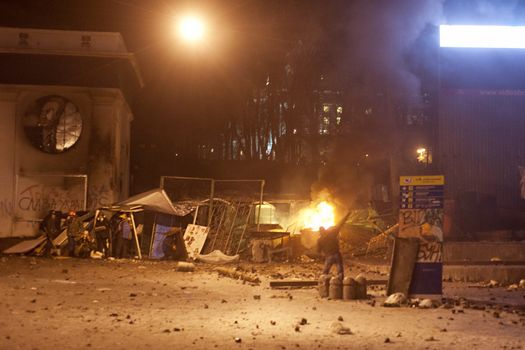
[{"x": 320, "y": 216}]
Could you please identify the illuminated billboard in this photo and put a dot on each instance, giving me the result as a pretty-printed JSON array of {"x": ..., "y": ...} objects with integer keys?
[{"x": 476, "y": 36}]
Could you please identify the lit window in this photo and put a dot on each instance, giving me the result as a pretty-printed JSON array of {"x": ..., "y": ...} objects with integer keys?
[
  {"x": 326, "y": 108},
  {"x": 368, "y": 111},
  {"x": 326, "y": 121},
  {"x": 338, "y": 120},
  {"x": 339, "y": 110},
  {"x": 423, "y": 155}
]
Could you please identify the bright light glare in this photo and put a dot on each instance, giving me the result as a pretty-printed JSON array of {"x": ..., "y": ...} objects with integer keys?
[
  {"x": 191, "y": 29},
  {"x": 322, "y": 215},
  {"x": 482, "y": 36}
]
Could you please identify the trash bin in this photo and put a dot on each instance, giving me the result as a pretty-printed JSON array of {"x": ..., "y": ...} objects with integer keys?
[
  {"x": 349, "y": 288},
  {"x": 336, "y": 288}
]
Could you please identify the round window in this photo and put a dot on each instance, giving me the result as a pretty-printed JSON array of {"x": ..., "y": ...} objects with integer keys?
[{"x": 53, "y": 124}]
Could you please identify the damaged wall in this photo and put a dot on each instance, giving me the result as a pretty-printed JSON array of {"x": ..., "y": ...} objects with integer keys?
[{"x": 97, "y": 165}]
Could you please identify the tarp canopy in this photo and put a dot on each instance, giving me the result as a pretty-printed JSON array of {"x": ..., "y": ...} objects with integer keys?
[{"x": 157, "y": 200}]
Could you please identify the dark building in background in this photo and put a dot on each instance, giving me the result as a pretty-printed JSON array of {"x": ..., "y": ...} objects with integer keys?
[{"x": 480, "y": 141}]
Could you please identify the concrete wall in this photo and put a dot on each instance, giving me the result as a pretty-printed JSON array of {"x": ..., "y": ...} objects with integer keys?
[
  {"x": 483, "y": 251},
  {"x": 32, "y": 181}
]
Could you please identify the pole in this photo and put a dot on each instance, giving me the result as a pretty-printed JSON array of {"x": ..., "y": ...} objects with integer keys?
[
  {"x": 133, "y": 227},
  {"x": 210, "y": 207},
  {"x": 260, "y": 205}
]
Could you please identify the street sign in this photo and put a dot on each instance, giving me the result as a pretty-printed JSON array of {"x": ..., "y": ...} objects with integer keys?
[{"x": 421, "y": 217}]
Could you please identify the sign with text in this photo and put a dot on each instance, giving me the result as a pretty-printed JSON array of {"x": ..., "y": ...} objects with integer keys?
[{"x": 421, "y": 217}]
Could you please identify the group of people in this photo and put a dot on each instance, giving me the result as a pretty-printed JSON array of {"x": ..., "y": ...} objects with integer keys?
[{"x": 109, "y": 237}]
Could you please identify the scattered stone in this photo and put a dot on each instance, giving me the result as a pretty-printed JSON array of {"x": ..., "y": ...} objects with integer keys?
[
  {"x": 387, "y": 340},
  {"x": 395, "y": 300},
  {"x": 297, "y": 328},
  {"x": 223, "y": 301},
  {"x": 492, "y": 283},
  {"x": 340, "y": 318},
  {"x": 33, "y": 301},
  {"x": 272, "y": 322},
  {"x": 132, "y": 295},
  {"x": 303, "y": 321},
  {"x": 65, "y": 271},
  {"x": 206, "y": 306},
  {"x": 339, "y": 328},
  {"x": 238, "y": 340},
  {"x": 113, "y": 315},
  {"x": 399, "y": 335},
  {"x": 425, "y": 304},
  {"x": 495, "y": 314},
  {"x": 176, "y": 329},
  {"x": 257, "y": 297},
  {"x": 430, "y": 339},
  {"x": 443, "y": 330},
  {"x": 166, "y": 331}
]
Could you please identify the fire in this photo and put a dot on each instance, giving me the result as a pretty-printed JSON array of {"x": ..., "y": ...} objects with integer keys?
[{"x": 322, "y": 215}]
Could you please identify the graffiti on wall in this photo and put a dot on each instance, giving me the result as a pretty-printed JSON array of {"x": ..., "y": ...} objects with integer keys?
[
  {"x": 421, "y": 223},
  {"x": 429, "y": 252},
  {"x": 99, "y": 196},
  {"x": 6, "y": 207},
  {"x": 35, "y": 200}
]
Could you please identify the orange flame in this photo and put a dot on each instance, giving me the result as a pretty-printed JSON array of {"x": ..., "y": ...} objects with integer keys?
[{"x": 322, "y": 215}]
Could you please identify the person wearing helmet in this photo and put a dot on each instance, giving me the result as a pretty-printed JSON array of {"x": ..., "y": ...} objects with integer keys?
[{"x": 74, "y": 230}]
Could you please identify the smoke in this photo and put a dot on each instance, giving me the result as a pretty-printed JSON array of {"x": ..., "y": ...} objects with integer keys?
[
  {"x": 381, "y": 34},
  {"x": 502, "y": 11}
]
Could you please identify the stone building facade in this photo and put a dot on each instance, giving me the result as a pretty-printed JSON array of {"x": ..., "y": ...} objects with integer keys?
[{"x": 64, "y": 121}]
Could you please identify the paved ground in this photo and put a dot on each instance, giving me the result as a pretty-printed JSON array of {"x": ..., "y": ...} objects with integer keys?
[{"x": 71, "y": 303}]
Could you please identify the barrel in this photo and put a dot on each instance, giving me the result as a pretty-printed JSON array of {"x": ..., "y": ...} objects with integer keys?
[
  {"x": 324, "y": 284},
  {"x": 349, "y": 288},
  {"x": 336, "y": 288}
]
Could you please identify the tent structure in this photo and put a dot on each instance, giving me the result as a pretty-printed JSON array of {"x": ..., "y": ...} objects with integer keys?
[
  {"x": 158, "y": 201},
  {"x": 155, "y": 200}
]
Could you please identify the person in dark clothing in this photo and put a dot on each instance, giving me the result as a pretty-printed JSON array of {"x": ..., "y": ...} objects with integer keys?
[
  {"x": 50, "y": 226},
  {"x": 328, "y": 244},
  {"x": 101, "y": 234},
  {"x": 75, "y": 229},
  {"x": 173, "y": 245},
  {"x": 114, "y": 232}
]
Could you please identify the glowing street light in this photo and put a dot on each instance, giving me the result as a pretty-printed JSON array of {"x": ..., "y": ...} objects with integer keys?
[{"x": 191, "y": 29}]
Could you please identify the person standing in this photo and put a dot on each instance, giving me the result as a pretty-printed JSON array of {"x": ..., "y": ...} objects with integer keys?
[
  {"x": 74, "y": 230},
  {"x": 51, "y": 228},
  {"x": 328, "y": 244},
  {"x": 102, "y": 234},
  {"x": 123, "y": 237}
]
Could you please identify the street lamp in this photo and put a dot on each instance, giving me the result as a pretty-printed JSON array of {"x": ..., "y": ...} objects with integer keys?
[{"x": 191, "y": 28}]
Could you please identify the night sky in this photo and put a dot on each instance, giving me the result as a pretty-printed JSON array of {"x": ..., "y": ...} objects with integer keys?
[{"x": 189, "y": 93}]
